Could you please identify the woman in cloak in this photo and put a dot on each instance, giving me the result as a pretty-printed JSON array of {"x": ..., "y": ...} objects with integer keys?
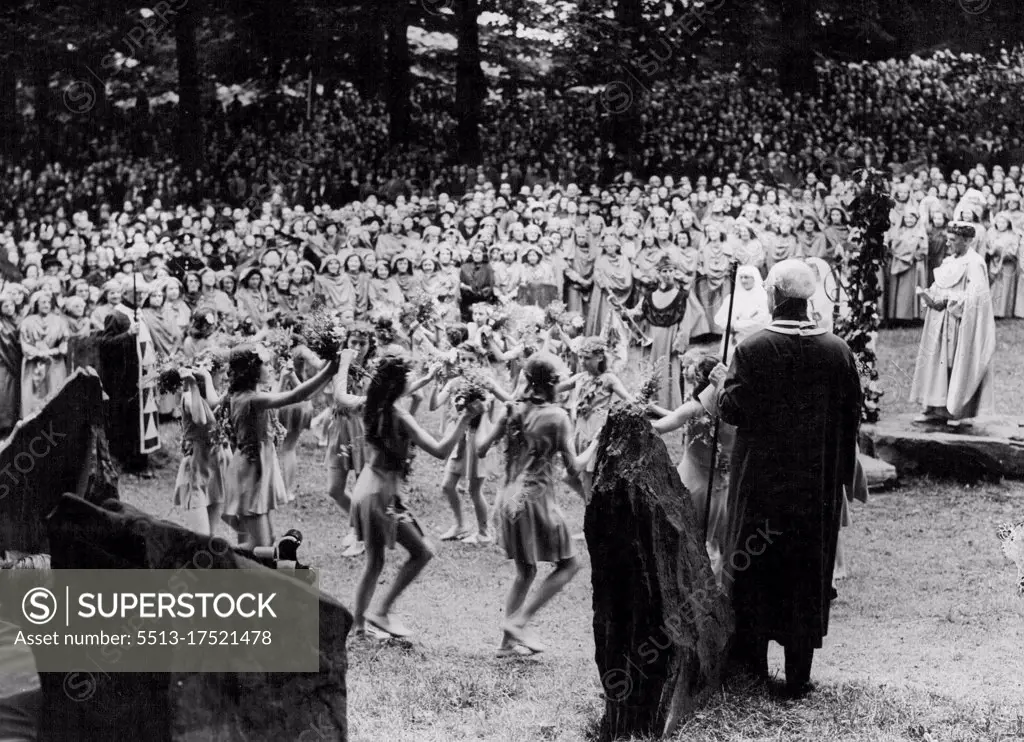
[
  {"x": 579, "y": 273},
  {"x": 613, "y": 282},
  {"x": 119, "y": 374},
  {"x": 10, "y": 366},
  {"x": 251, "y": 298},
  {"x": 476, "y": 279},
  {"x": 713, "y": 284},
  {"x": 670, "y": 313},
  {"x": 749, "y": 307},
  {"x": 1003, "y": 246},
  {"x": 44, "y": 337},
  {"x": 385, "y": 297},
  {"x": 334, "y": 286},
  {"x": 908, "y": 269}
]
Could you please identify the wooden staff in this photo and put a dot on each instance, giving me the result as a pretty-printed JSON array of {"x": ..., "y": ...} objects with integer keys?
[{"x": 714, "y": 438}]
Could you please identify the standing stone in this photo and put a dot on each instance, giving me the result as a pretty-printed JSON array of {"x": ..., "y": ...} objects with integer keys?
[
  {"x": 183, "y": 707},
  {"x": 661, "y": 623},
  {"x": 62, "y": 448}
]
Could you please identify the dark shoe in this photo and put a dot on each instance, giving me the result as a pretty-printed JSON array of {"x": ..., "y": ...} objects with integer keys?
[{"x": 798, "y": 670}]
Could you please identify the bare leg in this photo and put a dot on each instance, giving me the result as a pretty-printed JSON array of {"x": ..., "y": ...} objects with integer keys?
[
  {"x": 337, "y": 477},
  {"x": 259, "y": 530},
  {"x": 289, "y": 458},
  {"x": 375, "y": 548},
  {"x": 450, "y": 489},
  {"x": 587, "y": 485},
  {"x": 197, "y": 520},
  {"x": 420, "y": 554},
  {"x": 525, "y": 575},
  {"x": 476, "y": 487},
  {"x": 516, "y": 624},
  {"x": 213, "y": 511}
]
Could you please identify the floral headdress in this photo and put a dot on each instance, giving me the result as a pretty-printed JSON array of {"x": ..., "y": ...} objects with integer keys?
[{"x": 593, "y": 346}]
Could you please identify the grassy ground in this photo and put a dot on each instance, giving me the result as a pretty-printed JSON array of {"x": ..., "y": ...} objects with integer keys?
[{"x": 925, "y": 642}]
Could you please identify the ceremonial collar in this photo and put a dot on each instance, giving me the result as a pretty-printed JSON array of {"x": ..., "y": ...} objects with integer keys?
[{"x": 804, "y": 328}]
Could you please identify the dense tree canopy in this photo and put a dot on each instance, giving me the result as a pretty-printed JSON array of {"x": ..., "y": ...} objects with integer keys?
[{"x": 80, "y": 57}]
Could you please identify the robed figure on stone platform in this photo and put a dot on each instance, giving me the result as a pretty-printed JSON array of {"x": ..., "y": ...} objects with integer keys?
[
  {"x": 953, "y": 375},
  {"x": 793, "y": 392}
]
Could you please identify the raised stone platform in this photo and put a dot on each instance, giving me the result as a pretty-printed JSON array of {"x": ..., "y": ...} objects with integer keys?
[
  {"x": 880, "y": 474},
  {"x": 990, "y": 448}
]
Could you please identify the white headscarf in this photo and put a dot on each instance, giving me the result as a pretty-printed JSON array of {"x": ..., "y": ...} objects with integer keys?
[{"x": 748, "y": 303}]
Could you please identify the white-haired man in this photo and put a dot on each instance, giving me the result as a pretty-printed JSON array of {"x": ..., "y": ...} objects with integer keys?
[{"x": 793, "y": 393}]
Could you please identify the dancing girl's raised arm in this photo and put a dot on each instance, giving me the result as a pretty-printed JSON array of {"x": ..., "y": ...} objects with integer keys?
[{"x": 443, "y": 448}]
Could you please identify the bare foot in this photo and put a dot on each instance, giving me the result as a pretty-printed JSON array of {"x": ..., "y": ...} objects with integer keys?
[
  {"x": 388, "y": 625},
  {"x": 354, "y": 550},
  {"x": 455, "y": 533},
  {"x": 521, "y": 635}
]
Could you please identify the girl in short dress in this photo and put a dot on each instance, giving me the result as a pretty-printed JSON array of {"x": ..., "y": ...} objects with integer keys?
[
  {"x": 255, "y": 486},
  {"x": 199, "y": 487},
  {"x": 695, "y": 467},
  {"x": 378, "y": 516},
  {"x": 530, "y": 525},
  {"x": 594, "y": 390},
  {"x": 346, "y": 445},
  {"x": 465, "y": 461},
  {"x": 300, "y": 366}
]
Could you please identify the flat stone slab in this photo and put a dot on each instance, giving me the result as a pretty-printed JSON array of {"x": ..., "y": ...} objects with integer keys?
[
  {"x": 991, "y": 448},
  {"x": 880, "y": 474}
]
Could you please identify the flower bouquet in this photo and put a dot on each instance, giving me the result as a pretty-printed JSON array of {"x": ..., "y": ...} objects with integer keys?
[
  {"x": 323, "y": 335},
  {"x": 473, "y": 387}
]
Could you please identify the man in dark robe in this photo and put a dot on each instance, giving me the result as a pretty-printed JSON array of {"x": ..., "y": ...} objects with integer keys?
[
  {"x": 119, "y": 373},
  {"x": 793, "y": 392}
]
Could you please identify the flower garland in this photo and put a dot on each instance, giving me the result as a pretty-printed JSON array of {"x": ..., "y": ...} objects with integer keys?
[{"x": 869, "y": 217}]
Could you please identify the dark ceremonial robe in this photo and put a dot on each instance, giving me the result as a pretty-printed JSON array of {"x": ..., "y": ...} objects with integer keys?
[
  {"x": 793, "y": 393},
  {"x": 119, "y": 374}
]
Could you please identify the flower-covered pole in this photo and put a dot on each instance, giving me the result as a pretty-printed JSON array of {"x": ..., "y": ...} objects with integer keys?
[{"x": 869, "y": 219}]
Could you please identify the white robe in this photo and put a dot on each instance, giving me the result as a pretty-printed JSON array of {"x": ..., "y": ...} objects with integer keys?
[{"x": 954, "y": 361}]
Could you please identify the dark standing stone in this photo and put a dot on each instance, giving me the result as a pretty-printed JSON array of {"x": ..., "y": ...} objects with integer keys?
[
  {"x": 661, "y": 624},
  {"x": 62, "y": 448},
  {"x": 180, "y": 707}
]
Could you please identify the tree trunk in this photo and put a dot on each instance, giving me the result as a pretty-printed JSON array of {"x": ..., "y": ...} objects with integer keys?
[
  {"x": 511, "y": 87},
  {"x": 41, "y": 81},
  {"x": 398, "y": 62},
  {"x": 797, "y": 73},
  {"x": 369, "y": 62},
  {"x": 470, "y": 86},
  {"x": 8, "y": 109},
  {"x": 629, "y": 13},
  {"x": 190, "y": 126}
]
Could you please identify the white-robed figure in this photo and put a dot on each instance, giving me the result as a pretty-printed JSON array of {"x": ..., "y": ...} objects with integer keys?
[
  {"x": 821, "y": 306},
  {"x": 750, "y": 306},
  {"x": 953, "y": 376}
]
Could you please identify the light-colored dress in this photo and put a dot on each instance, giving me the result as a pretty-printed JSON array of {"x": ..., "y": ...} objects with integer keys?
[
  {"x": 530, "y": 526},
  {"x": 695, "y": 471},
  {"x": 42, "y": 377},
  {"x": 592, "y": 403},
  {"x": 204, "y": 462},
  {"x": 255, "y": 484},
  {"x": 346, "y": 434}
]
